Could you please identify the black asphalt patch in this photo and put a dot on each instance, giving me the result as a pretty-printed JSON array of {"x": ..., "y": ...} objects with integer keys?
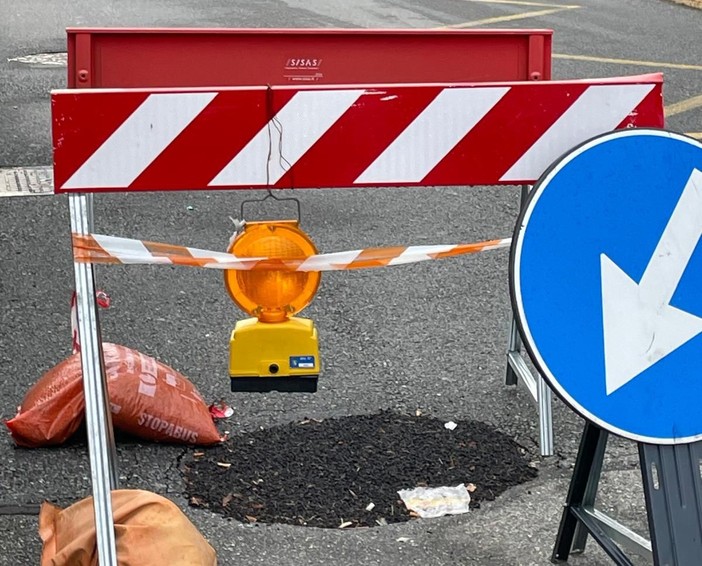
[{"x": 327, "y": 473}]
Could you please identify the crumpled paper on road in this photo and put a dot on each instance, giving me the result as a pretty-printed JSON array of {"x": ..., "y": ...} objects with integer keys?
[{"x": 430, "y": 502}]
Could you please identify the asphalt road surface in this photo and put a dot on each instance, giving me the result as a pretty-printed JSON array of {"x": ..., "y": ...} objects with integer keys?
[{"x": 430, "y": 336}]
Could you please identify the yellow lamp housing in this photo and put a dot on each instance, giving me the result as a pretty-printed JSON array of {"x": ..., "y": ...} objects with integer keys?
[{"x": 274, "y": 351}]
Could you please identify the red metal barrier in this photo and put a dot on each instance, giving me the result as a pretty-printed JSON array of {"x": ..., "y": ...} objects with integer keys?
[
  {"x": 366, "y": 135},
  {"x": 142, "y": 58}
]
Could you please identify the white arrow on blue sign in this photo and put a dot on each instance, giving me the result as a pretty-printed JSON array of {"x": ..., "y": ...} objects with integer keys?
[{"x": 606, "y": 282}]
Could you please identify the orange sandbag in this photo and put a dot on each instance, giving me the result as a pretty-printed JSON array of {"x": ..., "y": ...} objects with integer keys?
[
  {"x": 149, "y": 529},
  {"x": 147, "y": 399}
]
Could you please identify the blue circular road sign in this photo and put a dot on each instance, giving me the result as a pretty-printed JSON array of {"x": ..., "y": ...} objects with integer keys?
[{"x": 606, "y": 282}]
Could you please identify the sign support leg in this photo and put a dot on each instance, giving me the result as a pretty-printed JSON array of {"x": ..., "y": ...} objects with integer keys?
[
  {"x": 578, "y": 546},
  {"x": 574, "y": 512},
  {"x": 535, "y": 384},
  {"x": 580, "y": 517},
  {"x": 101, "y": 443}
]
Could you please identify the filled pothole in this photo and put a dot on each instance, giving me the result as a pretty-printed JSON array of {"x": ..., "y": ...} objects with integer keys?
[{"x": 347, "y": 471}]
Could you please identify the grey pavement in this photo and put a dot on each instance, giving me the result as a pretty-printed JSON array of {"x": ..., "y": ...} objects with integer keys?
[{"x": 429, "y": 336}]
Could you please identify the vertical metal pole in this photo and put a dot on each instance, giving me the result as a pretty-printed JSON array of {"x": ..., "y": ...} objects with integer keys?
[
  {"x": 514, "y": 345},
  {"x": 515, "y": 342},
  {"x": 101, "y": 443},
  {"x": 542, "y": 393},
  {"x": 545, "y": 402},
  {"x": 89, "y": 212}
]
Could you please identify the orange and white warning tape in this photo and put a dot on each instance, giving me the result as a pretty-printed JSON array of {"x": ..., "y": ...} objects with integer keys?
[{"x": 96, "y": 248}]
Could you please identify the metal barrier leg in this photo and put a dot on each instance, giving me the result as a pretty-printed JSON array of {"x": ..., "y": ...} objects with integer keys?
[
  {"x": 536, "y": 386},
  {"x": 544, "y": 401},
  {"x": 514, "y": 346},
  {"x": 101, "y": 443}
]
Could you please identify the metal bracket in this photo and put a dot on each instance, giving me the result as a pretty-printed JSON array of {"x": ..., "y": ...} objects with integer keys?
[{"x": 270, "y": 195}]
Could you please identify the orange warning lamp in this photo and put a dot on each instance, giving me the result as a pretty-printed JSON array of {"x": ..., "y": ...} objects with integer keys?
[
  {"x": 275, "y": 351},
  {"x": 272, "y": 296}
]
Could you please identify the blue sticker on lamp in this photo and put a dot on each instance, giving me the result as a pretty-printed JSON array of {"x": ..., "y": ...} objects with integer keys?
[{"x": 302, "y": 362}]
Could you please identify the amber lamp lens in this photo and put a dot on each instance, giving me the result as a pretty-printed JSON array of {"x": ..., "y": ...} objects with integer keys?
[{"x": 272, "y": 296}]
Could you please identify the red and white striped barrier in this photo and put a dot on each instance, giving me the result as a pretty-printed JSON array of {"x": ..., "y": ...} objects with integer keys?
[
  {"x": 96, "y": 248},
  {"x": 451, "y": 134}
]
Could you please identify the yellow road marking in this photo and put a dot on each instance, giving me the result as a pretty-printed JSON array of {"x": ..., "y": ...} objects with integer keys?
[
  {"x": 633, "y": 62},
  {"x": 524, "y": 3},
  {"x": 671, "y": 110},
  {"x": 510, "y": 18},
  {"x": 683, "y": 106}
]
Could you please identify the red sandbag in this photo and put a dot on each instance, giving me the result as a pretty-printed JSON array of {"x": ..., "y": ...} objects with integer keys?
[
  {"x": 147, "y": 398},
  {"x": 153, "y": 401},
  {"x": 53, "y": 408}
]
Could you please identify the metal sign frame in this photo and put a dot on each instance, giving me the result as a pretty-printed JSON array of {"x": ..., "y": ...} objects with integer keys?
[
  {"x": 97, "y": 59},
  {"x": 102, "y": 57},
  {"x": 143, "y": 57}
]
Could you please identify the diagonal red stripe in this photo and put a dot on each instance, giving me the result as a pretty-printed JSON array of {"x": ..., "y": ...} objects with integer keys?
[
  {"x": 216, "y": 135},
  {"x": 363, "y": 132},
  {"x": 649, "y": 112},
  {"x": 505, "y": 133},
  {"x": 81, "y": 124}
]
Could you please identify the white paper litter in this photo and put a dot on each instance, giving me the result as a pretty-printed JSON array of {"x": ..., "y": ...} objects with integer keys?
[
  {"x": 430, "y": 502},
  {"x": 450, "y": 425}
]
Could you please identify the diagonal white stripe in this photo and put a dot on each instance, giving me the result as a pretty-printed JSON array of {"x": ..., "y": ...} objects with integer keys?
[
  {"x": 139, "y": 140},
  {"x": 503, "y": 243},
  {"x": 329, "y": 262},
  {"x": 286, "y": 138},
  {"x": 128, "y": 250},
  {"x": 600, "y": 109},
  {"x": 224, "y": 260},
  {"x": 419, "y": 253},
  {"x": 435, "y": 132},
  {"x": 221, "y": 257}
]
